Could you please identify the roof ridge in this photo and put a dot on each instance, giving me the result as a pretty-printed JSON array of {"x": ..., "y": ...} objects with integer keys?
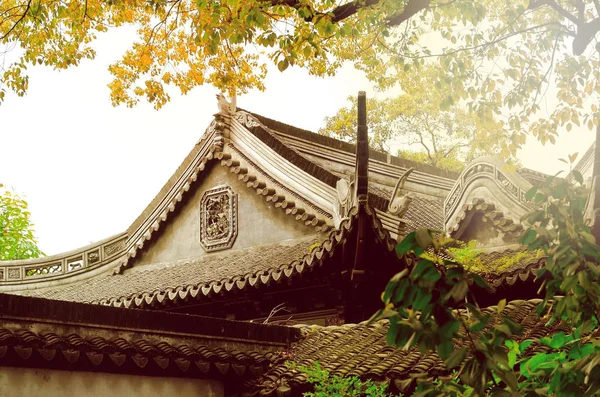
[{"x": 349, "y": 147}]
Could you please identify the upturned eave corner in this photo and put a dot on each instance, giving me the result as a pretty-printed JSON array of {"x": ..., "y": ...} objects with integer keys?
[{"x": 487, "y": 187}]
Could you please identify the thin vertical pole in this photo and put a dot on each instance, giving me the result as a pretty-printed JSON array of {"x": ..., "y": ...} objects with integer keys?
[{"x": 361, "y": 178}]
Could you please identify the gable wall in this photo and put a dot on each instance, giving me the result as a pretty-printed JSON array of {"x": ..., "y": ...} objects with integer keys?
[{"x": 259, "y": 222}]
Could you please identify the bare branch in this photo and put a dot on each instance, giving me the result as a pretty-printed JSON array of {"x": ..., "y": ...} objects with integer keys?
[
  {"x": 453, "y": 148},
  {"x": 537, "y": 93},
  {"x": 279, "y": 308},
  {"x": 471, "y": 48}
]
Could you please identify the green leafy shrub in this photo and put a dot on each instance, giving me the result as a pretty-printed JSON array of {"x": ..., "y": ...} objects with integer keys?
[
  {"x": 430, "y": 305},
  {"x": 327, "y": 385},
  {"x": 16, "y": 229}
]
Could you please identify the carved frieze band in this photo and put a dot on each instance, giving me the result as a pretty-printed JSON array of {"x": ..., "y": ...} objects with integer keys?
[
  {"x": 482, "y": 170},
  {"x": 74, "y": 263},
  {"x": 218, "y": 218}
]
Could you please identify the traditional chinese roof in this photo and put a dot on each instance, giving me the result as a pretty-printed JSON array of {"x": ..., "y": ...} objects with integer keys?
[
  {"x": 423, "y": 213},
  {"x": 217, "y": 274},
  {"x": 487, "y": 202},
  {"x": 361, "y": 350},
  {"x": 292, "y": 169},
  {"x": 489, "y": 212},
  {"x": 295, "y": 173},
  {"x": 585, "y": 163},
  {"x": 505, "y": 268},
  {"x": 73, "y": 336},
  {"x": 190, "y": 278},
  {"x": 534, "y": 177}
]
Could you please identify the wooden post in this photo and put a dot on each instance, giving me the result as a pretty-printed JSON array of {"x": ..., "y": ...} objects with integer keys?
[
  {"x": 355, "y": 302},
  {"x": 361, "y": 175}
]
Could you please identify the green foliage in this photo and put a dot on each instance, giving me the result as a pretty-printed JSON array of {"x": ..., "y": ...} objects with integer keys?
[
  {"x": 471, "y": 258},
  {"x": 16, "y": 230},
  {"x": 431, "y": 307},
  {"x": 327, "y": 385},
  {"x": 449, "y": 163},
  {"x": 467, "y": 255},
  {"x": 501, "y": 264}
]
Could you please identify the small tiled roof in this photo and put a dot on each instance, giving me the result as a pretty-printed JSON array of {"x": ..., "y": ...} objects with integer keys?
[
  {"x": 97, "y": 351},
  {"x": 504, "y": 267},
  {"x": 489, "y": 211},
  {"x": 361, "y": 350},
  {"x": 424, "y": 213},
  {"x": 214, "y": 274},
  {"x": 522, "y": 269},
  {"x": 75, "y": 336},
  {"x": 194, "y": 276}
]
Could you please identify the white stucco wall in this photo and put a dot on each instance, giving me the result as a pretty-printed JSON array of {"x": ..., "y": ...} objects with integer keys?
[
  {"x": 259, "y": 223},
  {"x": 21, "y": 382}
]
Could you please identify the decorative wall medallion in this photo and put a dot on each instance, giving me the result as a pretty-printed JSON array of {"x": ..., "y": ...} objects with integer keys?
[{"x": 218, "y": 218}]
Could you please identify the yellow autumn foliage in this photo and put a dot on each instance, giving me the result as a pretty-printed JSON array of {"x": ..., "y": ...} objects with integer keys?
[{"x": 499, "y": 60}]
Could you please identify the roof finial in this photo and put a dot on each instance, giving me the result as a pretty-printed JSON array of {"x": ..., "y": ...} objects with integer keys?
[
  {"x": 361, "y": 175},
  {"x": 225, "y": 107},
  {"x": 399, "y": 202}
]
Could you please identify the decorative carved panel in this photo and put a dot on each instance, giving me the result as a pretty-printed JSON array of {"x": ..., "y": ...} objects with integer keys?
[
  {"x": 246, "y": 119},
  {"x": 41, "y": 270},
  {"x": 112, "y": 248},
  {"x": 218, "y": 218},
  {"x": 75, "y": 263},
  {"x": 14, "y": 273},
  {"x": 93, "y": 257}
]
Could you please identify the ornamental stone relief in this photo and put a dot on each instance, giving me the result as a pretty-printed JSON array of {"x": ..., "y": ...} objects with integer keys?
[
  {"x": 246, "y": 119},
  {"x": 218, "y": 218}
]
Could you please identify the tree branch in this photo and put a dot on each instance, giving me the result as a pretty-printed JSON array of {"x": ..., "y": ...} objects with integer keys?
[
  {"x": 470, "y": 48},
  {"x": 453, "y": 148},
  {"x": 344, "y": 11},
  {"x": 411, "y": 8},
  {"x": 347, "y": 10},
  {"x": 585, "y": 34},
  {"x": 21, "y": 18},
  {"x": 585, "y": 31},
  {"x": 552, "y": 4}
]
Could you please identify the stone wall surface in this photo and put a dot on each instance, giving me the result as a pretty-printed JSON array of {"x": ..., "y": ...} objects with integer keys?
[
  {"x": 31, "y": 382},
  {"x": 259, "y": 222}
]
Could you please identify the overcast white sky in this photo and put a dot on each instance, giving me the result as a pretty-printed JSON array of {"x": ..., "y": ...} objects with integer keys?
[{"x": 88, "y": 169}]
